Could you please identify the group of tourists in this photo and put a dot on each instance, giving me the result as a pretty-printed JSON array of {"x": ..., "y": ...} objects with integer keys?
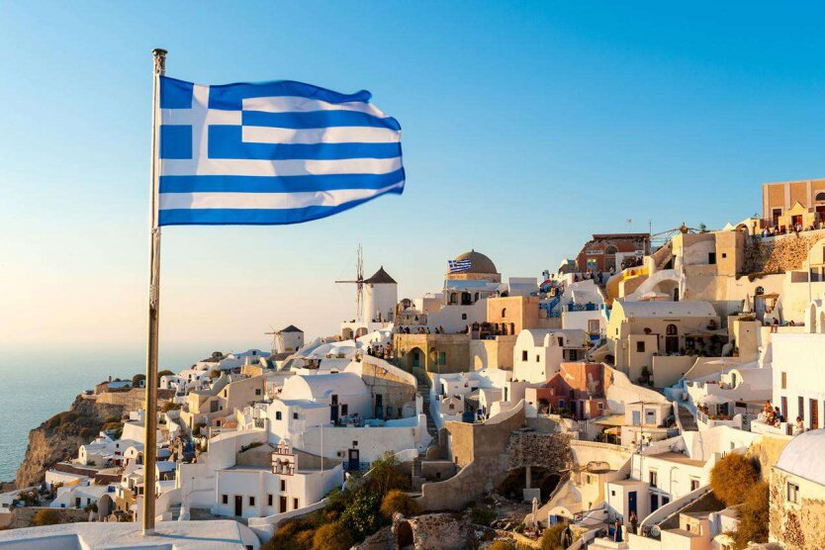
[{"x": 382, "y": 352}]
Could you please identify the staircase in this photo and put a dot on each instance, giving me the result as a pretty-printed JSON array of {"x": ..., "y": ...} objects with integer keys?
[
  {"x": 424, "y": 392},
  {"x": 687, "y": 420}
]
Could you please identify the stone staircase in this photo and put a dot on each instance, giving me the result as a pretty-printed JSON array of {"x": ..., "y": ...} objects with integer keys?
[
  {"x": 424, "y": 392},
  {"x": 687, "y": 420}
]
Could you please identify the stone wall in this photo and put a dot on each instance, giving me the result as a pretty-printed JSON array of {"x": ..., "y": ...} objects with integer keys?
[
  {"x": 442, "y": 531},
  {"x": 779, "y": 254},
  {"x": 796, "y": 526},
  {"x": 551, "y": 451},
  {"x": 23, "y": 517},
  {"x": 133, "y": 399}
]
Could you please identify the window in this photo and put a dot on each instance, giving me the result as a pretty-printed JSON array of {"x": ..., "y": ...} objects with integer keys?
[
  {"x": 600, "y": 406},
  {"x": 295, "y": 503},
  {"x": 226, "y": 393},
  {"x": 793, "y": 493},
  {"x": 724, "y": 254},
  {"x": 711, "y": 258},
  {"x": 694, "y": 484},
  {"x": 269, "y": 499},
  {"x": 592, "y": 325},
  {"x": 800, "y": 404},
  {"x": 354, "y": 443},
  {"x": 784, "y": 380},
  {"x": 538, "y": 358},
  {"x": 257, "y": 391},
  {"x": 640, "y": 347},
  {"x": 252, "y": 501},
  {"x": 503, "y": 312},
  {"x": 442, "y": 358},
  {"x": 561, "y": 341},
  {"x": 463, "y": 316},
  {"x": 283, "y": 485},
  {"x": 653, "y": 478},
  {"x": 295, "y": 416},
  {"x": 344, "y": 409},
  {"x": 277, "y": 415},
  {"x": 524, "y": 355},
  {"x": 561, "y": 403}
]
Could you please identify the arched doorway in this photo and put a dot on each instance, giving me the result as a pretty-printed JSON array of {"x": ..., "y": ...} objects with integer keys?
[
  {"x": 821, "y": 323},
  {"x": 671, "y": 339},
  {"x": 416, "y": 358}
]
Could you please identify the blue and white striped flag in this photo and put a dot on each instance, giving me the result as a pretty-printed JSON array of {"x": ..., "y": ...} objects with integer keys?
[
  {"x": 271, "y": 153},
  {"x": 460, "y": 266}
]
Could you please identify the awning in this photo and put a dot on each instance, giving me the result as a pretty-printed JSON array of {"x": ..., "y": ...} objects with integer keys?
[
  {"x": 714, "y": 400},
  {"x": 609, "y": 420}
]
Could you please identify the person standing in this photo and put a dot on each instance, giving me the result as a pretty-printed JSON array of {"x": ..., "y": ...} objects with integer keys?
[{"x": 634, "y": 522}]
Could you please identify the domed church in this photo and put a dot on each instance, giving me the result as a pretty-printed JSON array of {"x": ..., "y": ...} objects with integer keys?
[{"x": 473, "y": 266}]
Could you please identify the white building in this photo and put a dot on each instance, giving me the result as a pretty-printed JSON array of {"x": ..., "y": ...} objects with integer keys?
[
  {"x": 538, "y": 353},
  {"x": 799, "y": 373}
]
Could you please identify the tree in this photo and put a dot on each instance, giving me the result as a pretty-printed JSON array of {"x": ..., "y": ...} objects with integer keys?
[
  {"x": 399, "y": 501},
  {"x": 362, "y": 517},
  {"x": 165, "y": 372},
  {"x": 754, "y": 516},
  {"x": 386, "y": 475},
  {"x": 332, "y": 536},
  {"x": 137, "y": 379},
  {"x": 46, "y": 517},
  {"x": 732, "y": 477}
]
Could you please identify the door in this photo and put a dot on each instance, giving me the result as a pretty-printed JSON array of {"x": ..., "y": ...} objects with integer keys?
[
  {"x": 820, "y": 213},
  {"x": 379, "y": 406},
  {"x": 238, "y": 505},
  {"x": 637, "y": 418},
  {"x": 354, "y": 459},
  {"x": 784, "y": 407},
  {"x": 333, "y": 409},
  {"x": 654, "y": 502},
  {"x": 796, "y": 220},
  {"x": 631, "y": 503},
  {"x": 281, "y": 504},
  {"x": 814, "y": 414},
  {"x": 416, "y": 359},
  {"x": 671, "y": 339}
]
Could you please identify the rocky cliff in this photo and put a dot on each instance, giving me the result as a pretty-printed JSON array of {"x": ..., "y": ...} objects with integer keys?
[{"x": 59, "y": 437}]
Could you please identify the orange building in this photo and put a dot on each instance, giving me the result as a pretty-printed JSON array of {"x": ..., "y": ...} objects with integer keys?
[{"x": 610, "y": 250}]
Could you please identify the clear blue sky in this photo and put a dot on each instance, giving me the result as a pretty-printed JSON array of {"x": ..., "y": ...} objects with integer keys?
[{"x": 527, "y": 126}]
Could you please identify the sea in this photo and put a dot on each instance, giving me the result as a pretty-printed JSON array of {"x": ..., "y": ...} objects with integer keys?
[{"x": 35, "y": 385}]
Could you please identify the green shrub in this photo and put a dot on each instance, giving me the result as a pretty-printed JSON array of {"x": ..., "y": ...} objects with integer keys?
[
  {"x": 754, "y": 517},
  {"x": 482, "y": 516},
  {"x": 332, "y": 536},
  {"x": 502, "y": 545},
  {"x": 362, "y": 516},
  {"x": 732, "y": 477},
  {"x": 46, "y": 517},
  {"x": 551, "y": 539},
  {"x": 399, "y": 501}
]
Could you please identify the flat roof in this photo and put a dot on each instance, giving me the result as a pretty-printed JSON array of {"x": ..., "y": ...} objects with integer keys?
[
  {"x": 180, "y": 535},
  {"x": 670, "y": 456}
]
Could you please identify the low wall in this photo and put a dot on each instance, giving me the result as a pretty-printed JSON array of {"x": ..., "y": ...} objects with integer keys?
[{"x": 23, "y": 517}]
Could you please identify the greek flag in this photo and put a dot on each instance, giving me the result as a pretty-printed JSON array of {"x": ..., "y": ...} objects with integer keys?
[
  {"x": 271, "y": 153},
  {"x": 460, "y": 266}
]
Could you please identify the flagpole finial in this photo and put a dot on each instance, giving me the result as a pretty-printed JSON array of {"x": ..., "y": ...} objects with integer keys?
[{"x": 159, "y": 55}]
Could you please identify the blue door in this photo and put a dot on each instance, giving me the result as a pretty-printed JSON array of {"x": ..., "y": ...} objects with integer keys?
[{"x": 631, "y": 503}]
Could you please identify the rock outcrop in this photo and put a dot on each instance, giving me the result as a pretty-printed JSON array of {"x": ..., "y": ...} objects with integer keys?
[{"x": 60, "y": 437}]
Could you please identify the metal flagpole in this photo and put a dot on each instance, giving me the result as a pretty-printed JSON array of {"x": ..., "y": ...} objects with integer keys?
[{"x": 151, "y": 416}]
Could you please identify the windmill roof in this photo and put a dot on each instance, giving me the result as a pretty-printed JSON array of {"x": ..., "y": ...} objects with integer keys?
[
  {"x": 381, "y": 277},
  {"x": 291, "y": 328}
]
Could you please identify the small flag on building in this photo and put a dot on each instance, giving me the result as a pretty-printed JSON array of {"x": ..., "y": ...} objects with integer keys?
[
  {"x": 271, "y": 153},
  {"x": 460, "y": 266}
]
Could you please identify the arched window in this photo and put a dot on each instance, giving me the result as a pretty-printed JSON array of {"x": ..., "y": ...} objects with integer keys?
[
  {"x": 671, "y": 339},
  {"x": 820, "y": 196},
  {"x": 503, "y": 312},
  {"x": 672, "y": 330},
  {"x": 759, "y": 291}
]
